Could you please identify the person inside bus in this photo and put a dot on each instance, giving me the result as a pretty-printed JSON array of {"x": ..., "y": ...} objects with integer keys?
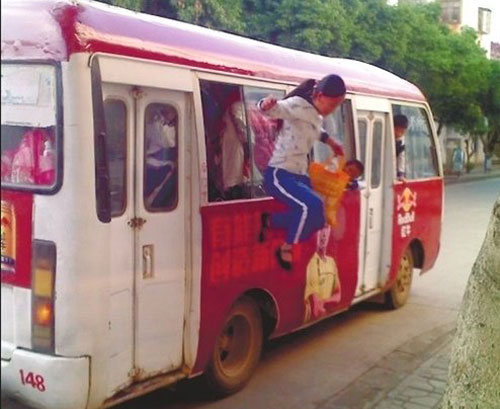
[
  {"x": 354, "y": 168},
  {"x": 233, "y": 141},
  {"x": 400, "y": 127},
  {"x": 286, "y": 178},
  {"x": 161, "y": 152}
]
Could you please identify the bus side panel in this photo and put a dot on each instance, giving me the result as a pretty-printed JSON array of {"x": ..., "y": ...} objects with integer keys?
[
  {"x": 234, "y": 262},
  {"x": 417, "y": 215}
]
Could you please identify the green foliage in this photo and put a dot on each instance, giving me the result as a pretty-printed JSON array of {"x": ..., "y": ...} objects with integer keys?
[
  {"x": 408, "y": 40},
  {"x": 219, "y": 14}
]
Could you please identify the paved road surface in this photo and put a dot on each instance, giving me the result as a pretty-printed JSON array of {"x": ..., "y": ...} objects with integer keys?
[{"x": 306, "y": 369}]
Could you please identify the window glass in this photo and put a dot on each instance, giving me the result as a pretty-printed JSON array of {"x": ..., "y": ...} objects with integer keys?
[
  {"x": 29, "y": 126},
  {"x": 362, "y": 132},
  {"x": 115, "y": 112},
  {"x": 339, "y": 125},
  {"x": 419, "y": 148},
  {"x": 262, "y": 133},
  {"x": 160, "y": 190},
  {"x": 450, "y": 11},
  {"x": 376, "y": 170},
  {"x": 239, "y": 140}
]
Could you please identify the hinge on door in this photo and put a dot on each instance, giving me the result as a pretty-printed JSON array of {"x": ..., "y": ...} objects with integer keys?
[
  {"x": 136, "y": 222},
  {"x": 137, "y": 93}
]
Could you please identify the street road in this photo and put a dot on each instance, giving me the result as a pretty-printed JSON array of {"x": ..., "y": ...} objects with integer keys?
[{"x": 302, "y": 370}]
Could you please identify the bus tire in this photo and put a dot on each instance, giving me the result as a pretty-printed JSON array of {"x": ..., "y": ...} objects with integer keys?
[
  {"x": 237, "y": 349},
  {"x": 398, "y": 294}
]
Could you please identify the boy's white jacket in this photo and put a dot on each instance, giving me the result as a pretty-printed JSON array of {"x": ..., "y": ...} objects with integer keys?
[{"x": 302, "y": 126}]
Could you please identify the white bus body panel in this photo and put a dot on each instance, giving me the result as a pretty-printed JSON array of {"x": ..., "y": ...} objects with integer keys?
[{"x": 65, "y": 380}]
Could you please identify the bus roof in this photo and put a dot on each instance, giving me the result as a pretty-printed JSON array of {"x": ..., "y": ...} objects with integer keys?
[{"x": 55, "y": 29}]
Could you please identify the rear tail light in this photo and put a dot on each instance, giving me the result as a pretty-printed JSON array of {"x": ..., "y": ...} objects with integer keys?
[{"x": 42, "y": 317}]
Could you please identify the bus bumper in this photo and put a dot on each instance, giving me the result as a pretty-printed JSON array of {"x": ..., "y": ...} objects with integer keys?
[{"x": 46, "y": 382}]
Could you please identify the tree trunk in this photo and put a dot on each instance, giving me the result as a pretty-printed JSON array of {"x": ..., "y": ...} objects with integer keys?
[{"x": 474, "y": 376}]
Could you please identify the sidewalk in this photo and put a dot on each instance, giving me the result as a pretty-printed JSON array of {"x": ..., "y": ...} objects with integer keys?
[
  {"x": 413, "y": 376},
  {"x": 475, "y": 174}
]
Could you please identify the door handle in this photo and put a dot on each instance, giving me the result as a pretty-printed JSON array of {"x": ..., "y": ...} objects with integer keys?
[
  {"x": 148, "y": 261},
  {"x": 370, "y": 218}
]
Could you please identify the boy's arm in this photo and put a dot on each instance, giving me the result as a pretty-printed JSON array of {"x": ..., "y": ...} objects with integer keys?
[
  {"x": 283, "y": 109},
  {"x": 334, "y": 146}
]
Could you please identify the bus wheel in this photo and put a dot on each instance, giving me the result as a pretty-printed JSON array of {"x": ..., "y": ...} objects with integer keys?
[
  {"x": 398, "y": 294},
  {"x": 237, "y": 349}
]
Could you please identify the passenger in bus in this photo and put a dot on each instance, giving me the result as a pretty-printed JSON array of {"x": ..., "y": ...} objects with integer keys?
[
  {"x": 286, "y": 178},
  {"x": 322, "y": 289},
  {"x": 354, "y": 168},
  {"x": 161, "y": 156},
  {"x": 233, "y": 141},
  {"x": 400, "y": 127}
]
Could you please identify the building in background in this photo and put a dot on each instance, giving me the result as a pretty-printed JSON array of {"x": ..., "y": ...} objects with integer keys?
[{"x": 484, "y": 17}]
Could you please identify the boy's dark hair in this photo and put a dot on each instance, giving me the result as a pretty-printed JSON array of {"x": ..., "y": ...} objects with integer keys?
[
  {"x": 304, "y": 90},
  {"x": 400, "y": 121},
  {"x": 358, "y": 164},
  {"x": 331, "y": 86}
]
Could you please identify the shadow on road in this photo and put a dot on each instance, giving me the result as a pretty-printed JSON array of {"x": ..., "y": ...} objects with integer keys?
[{"x": 191, "y": 393}]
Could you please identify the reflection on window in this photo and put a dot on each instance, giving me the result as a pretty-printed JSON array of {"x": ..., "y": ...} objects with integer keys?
[
  {"x": 115, "y": 112},
  {"x": 263, "y": 132},
  {"x": 362, "y": 131},
  {"x": 420, "y": 150},
  {"x": 339, "y": 126},
  {"x": 376, "y": 170},
  {"x": 239, "y": 140},
  {"x": 161, "y": 157}
]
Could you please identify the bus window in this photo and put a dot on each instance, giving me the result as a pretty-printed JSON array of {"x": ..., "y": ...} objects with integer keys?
[
  {"x": 262, "y": 133},
  {"x": 30, "y": 142},
  {"x": 420, "y": 150},
  {"x": 160, "y": 191},
  {"x": 362, "y": 131},
  {"x": 226, "y": 138},
  {"x": 115, "y": 112},
  {"x": 376, "y": 170},
  {"x": 339, "y": 125}
]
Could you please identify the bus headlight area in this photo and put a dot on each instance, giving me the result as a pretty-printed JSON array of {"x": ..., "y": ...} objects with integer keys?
[{"x": 46, "y": 381}]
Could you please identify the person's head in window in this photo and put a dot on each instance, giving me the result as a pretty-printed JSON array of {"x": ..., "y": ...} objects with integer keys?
[
  {"x": 325, "y": 95},
  {"x": 400, "y": 126},
  {"x": 328, "y": 94}
]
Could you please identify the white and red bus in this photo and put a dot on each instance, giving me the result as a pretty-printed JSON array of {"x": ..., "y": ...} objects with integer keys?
[{"x": 126, "y": 266}]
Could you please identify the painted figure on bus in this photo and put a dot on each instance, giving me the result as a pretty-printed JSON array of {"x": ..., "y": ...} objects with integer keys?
[
  {"x": 161, "y": 156},
  {"x": 400, "y": 127},
  {"x": 322, "y": 291},
  {"x": 286, "y": 178}
]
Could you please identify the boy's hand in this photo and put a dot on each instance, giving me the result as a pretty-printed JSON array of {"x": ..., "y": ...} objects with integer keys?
[
  {"x": 267, "y": 103},
  {"x": 336, "y": 148}
]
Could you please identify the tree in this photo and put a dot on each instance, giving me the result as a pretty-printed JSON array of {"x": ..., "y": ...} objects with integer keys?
[
  {"x": 490, "y": 103},
  {"x": 473, "y": 377}
]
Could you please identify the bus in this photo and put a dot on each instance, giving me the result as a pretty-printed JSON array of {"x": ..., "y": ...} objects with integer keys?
[{"x": 126, "y": 265}]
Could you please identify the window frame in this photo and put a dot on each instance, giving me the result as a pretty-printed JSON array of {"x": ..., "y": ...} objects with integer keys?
[
  {"x": 58, "y": 132},
  {"x": 432, "y": 127},
  {"x": 235, "y": 80},
  {"x": 175, "y": 203},
  {"x": 127, "y": 158}
]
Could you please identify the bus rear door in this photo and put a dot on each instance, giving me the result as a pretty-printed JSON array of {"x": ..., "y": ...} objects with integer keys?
[
  {"x": 374, "y": 146},
  {"x": 146, "y": 132}
]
